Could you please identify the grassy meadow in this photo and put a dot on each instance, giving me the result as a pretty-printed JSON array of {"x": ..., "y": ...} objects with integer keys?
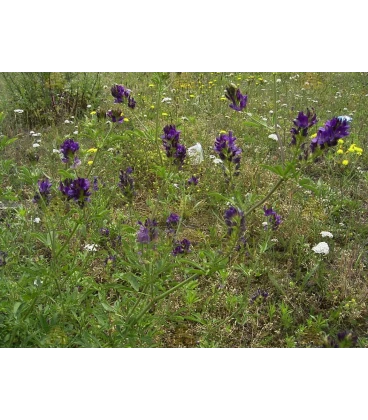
[{"x": 183, "y": 210}]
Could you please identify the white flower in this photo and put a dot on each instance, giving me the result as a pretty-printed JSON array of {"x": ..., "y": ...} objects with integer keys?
[
  {"x": 321, "y": 248},
  {"x": 35, "y": 145},
  {"x": 31, "y": 132},
  {"x": 264, "y": 223},
  {"x": 66, "y": 122},
  {"x": 273, "y": 137},
  {"x": 345, "y": 117},
  {"x": 18, "y": 111},
  {"x": 326, "y": 234},
  {"x": 89, "y": 106},
  {"x": 75, "y": 132},
  {"x": 37, "y": 220},
  {"x": 38, "y": 282},
  {"x": 110, "y": 149},
  {"x": 217, "y": 161},
  {"x": 278, "y": 81},
  {"x": 195, "y": 154},
  {"x": 56, "y": 151},
  {"x": 92, "y": 247}
]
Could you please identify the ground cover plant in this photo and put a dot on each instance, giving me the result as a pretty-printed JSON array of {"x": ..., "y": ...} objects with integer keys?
[{"x": 183, "y": 210}]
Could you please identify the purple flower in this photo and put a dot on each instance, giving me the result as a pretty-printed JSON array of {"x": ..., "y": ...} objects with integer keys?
[
  {"x": 259, "y": 294},
  {"x": 110, "y": 260},
  {"x": 95, "y": 183},
  {"x": 131, "y": 102},
  {"x": 119, "y": 92},
  {"x": 181, "y": 247},
  {"x": 170, "y": 139},
  {"x": 239, "y": 101},
  {"x": 234, "y": 218},
  {"x": 77, "y": 189},
  {"x": 173, "y": 148},
  {"x": 227, "y": 150},
  {"x": 105, "y": 231},
  {"x": 172, "y": 222},
  {"x": 193, "y": 180},
  {"x": 68, "y": 148},
  {"x": 330, "y": 133},
  {"x": 3, "y": 255},
  {"x": 115, "y": 115},
  {"x": 273, "y": 217},
  {"x": 302, "y": 124},
  {"x": 180, "y": 154},
  {"x": 44, "y": 191},
  {"x": 147, "y": 232},
  {"x": 126, "y": 183}
]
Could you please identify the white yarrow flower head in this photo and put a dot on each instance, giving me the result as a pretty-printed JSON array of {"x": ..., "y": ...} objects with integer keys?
[
  {"x": 326, "y": 234},
  {"x": 18, "y": 111},
  {"x": 35, "y": 145},
  {"x": 321, "y": 248},
  {"x": 37, "y": 220},
  {"x": 168, "y": 100},
  {"x": 91, "y": 247},
  {"x": 273, "y": 137}
]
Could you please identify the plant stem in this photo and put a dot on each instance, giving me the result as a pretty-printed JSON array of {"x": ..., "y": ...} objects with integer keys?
[
  {"x": 255, "y": 206},
  {"x": 133, "y": 321}
]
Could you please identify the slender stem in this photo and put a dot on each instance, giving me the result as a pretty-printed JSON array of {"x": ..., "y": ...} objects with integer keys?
[
  {"x": 282, "y": 152},
  {"x": 158, "y": 102},
  {"x": 98, "y": 151},
  {"x": 158, "y": 298},
  {"x": 68, "y": 240},
  {"x": 255, "y": 206}
]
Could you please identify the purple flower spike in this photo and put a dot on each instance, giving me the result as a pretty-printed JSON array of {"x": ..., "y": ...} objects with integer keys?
[
  {"x": 239, "y": 101},
  {"x": 68, "y": 148},
  {"x": 273, "y": 217},
  {"x": 126, "y": 183},
  {"x": 44, "y": 188},
  {"x": 119, "y": 92},
  {"x": 173, "y": 148},
  {"x": 234, "y": 218},
  {"x": 302, "y": 123},
  {"x": 330, "y": 133},
  {"x": 131, "y": 102},
  {"x": 227, "y": 150},
  {"x": 115, "y": 115},
  {"x": 77, "y": 189},
  {"x": 193, "y": 180},
  {"x": 181, "y": 248},
  {"x": 147, "y": 231}
]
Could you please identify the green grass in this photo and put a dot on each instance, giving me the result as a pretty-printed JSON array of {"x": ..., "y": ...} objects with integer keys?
[{"x": 54, "y": 293}]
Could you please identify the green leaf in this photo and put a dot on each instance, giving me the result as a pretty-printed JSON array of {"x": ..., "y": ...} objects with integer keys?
[
  {"x": 107, "y": 307},
  {"x": 309, "y": 185}
]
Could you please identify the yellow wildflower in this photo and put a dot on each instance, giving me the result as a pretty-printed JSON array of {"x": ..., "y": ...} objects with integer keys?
[
  {"x": 340, "y": 141},
  {"x": 313, "y": 136},
  {"x": 345, "y": 162},
  {"x": 340, "y": 152},
  {"x": 126, "y": 119},
  {"x": 164, "y": 114},
  {"x": 93, "y": 112},
  {"x": 92, "y": 150},
  {"x": 152, "y": 107},
  {"x": 90, "y": 162}
]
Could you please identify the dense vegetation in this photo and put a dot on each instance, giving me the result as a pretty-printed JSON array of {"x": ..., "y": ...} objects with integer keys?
[{"x": 183, "y": 210}]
